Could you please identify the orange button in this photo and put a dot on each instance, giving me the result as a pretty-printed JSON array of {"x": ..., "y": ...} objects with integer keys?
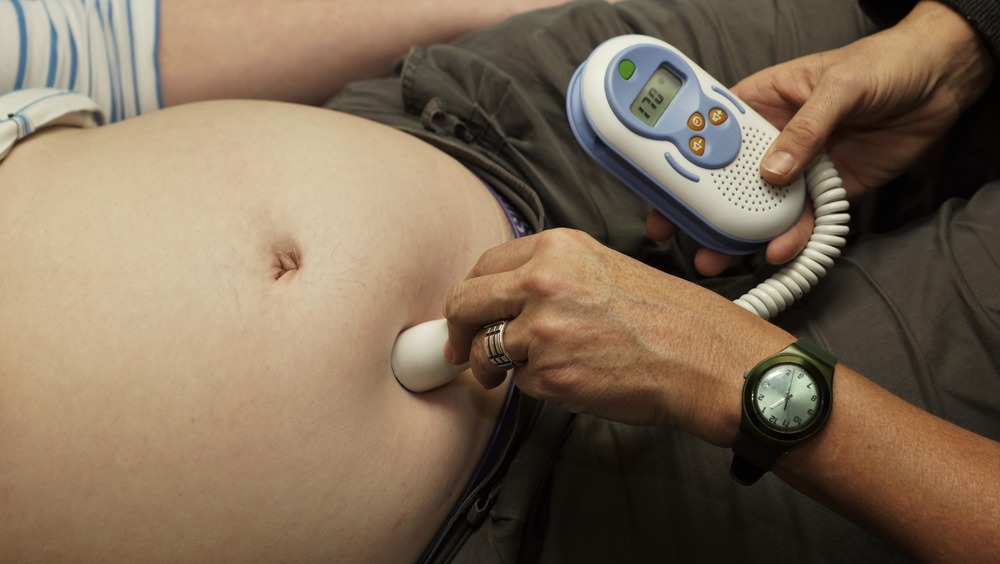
[
  {"x": 696, "y": 121},
  {"x": 697, "y": 145},
  {"x": 717, "y": 116}
]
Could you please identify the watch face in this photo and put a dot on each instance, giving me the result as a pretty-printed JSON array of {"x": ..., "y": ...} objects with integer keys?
[{"x": 787, "y": 398}]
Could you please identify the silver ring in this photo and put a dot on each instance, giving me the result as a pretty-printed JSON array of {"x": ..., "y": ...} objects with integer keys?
[{"x": 494, "y": 346}]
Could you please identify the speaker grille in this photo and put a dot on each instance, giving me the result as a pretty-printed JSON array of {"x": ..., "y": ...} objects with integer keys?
[{"x": 740, "y": 182}]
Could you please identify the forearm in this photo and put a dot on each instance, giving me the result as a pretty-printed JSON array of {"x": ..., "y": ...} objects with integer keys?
[
  {"x": 923, "y": 483},
  {"x": 302, "y": 50},
  {"x": 926, "y": 485}
]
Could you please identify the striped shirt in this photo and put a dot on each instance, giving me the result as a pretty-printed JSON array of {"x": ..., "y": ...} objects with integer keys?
[{"x": 104, "y": 49}]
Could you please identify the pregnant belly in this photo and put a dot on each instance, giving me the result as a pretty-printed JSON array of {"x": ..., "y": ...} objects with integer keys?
[{"x": 197, "y": 314}]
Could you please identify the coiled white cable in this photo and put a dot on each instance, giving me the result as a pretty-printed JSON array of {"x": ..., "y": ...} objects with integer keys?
[{"x": 774, "y": 295}]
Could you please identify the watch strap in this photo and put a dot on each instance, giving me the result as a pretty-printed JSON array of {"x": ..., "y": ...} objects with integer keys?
[
  {"x": 813, "y": 349},
  {"x": 751, "y": 459}
]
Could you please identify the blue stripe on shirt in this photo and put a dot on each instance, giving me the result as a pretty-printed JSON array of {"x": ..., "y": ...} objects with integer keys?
[
  {"x": 131, "y": 48},
  {"x": 22, "y": 61},
  {"x": 120, "y": 75},
  {"x": 23, "y": 126},
  {"x": 114, "y": 113},
  {"x": 73, "y": 57},
  {"x": 50, "y": 80},
  {"x": 156, "y": 49}
]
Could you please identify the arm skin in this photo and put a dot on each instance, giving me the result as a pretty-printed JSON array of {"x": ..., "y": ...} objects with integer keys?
[
  {"x": 919, "y": 76},
  {"x": 924, "y": 484},
  {"x": 303, "y": 50},
  {"x": 604, "y": 334}
]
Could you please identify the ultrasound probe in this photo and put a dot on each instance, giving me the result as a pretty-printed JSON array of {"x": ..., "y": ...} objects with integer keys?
[{"x": 418, "y": 357}]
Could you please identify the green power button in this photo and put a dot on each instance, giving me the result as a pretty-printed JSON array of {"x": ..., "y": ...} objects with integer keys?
[{"x": 626, "y": 69}]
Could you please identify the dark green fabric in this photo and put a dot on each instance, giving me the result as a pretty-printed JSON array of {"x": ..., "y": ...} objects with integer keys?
[
  {"x": 917, "y": 310},
  {"x": 496, "y": 99}
]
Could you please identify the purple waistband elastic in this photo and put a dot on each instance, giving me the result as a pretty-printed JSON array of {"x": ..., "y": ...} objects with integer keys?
[{"x": 518, "y": 225}]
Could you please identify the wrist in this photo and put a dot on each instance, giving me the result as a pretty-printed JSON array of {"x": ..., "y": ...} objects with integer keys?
[
  {"x": 738, "y": 349},
  {"x": 963, "y": 58}
]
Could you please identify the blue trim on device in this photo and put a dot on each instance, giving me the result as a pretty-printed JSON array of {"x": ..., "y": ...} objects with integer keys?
[
  {"x": 659, "y": 196},
  {"x": 729, "y": 97},
  {"x": 680, "y": 170},
  {"x": 722, "y": 141}
]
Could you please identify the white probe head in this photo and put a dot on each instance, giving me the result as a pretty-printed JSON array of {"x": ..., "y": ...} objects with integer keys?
[{"x": 418, "y": 357}]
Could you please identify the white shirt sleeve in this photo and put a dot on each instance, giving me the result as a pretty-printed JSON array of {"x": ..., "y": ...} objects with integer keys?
[{"x": 22, "y": 112}]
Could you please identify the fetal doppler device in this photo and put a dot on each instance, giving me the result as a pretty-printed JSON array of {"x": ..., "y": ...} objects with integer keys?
[{"x": 687, "y": 145}]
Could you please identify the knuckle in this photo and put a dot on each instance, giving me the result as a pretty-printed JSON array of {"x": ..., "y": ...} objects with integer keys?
[
  {"x": 454, "y": 301},
  {"x": 562, "y": 238},
  {"x": 546, "y": 331},
  {"x": 481, "y": 266},
  {"x": 457, "y": 304},
  {"x": 839, "y": 77},
  {"x": 544, "y": 280}
]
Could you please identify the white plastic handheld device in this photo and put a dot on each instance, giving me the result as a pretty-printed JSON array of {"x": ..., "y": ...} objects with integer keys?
[
  {"x": 692, "y": 149},
  {"x": 682, "y": 141}
]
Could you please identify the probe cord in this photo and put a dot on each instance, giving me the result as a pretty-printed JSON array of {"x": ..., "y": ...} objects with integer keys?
[{"x": 774, "y": 295}]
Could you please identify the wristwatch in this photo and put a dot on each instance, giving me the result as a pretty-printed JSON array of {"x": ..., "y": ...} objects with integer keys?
[{"x": 787, "y": 398}]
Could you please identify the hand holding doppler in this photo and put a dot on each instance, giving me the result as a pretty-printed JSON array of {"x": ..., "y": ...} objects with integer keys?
[{"x": 875, "y": 106}]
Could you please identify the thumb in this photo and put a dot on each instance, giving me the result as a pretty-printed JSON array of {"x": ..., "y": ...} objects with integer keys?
[{"x": 803, "y": 137}]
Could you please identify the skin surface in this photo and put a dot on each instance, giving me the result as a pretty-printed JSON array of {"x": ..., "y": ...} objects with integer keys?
[
  {"x": 194, "y": 346},
  {"x": 196, "y": 330},
  {"x": 303, "y": 50}
]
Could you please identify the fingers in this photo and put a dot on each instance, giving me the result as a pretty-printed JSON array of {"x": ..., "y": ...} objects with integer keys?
[
  {"x": 473, "y": 304},
  {"x": 658, "y": 227},
  {"x": 489, "y": 293},
  {"x": 504, "y": 258},
  {"x": 782, "y": 249},
  {"x": 511, "y": 281},
  {"x": 711, "y": 263},
  {"x": 789, "y": 244},
  {"x": 706, "y": 261},
  {"x": 488, "y": 374},
  {"x": 804, "y": 135}
]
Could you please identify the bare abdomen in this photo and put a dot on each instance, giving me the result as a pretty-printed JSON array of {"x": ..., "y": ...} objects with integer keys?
[{"x": 197, "y": 312}]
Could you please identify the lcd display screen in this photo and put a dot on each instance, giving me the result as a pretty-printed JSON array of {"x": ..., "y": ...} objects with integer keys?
[{"x": 656, "y": 95}]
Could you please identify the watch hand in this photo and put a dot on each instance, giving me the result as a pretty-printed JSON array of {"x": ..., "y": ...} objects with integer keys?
[
  {"x": 784, "y": 399},
  {"x": 788, "y": 394}
]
